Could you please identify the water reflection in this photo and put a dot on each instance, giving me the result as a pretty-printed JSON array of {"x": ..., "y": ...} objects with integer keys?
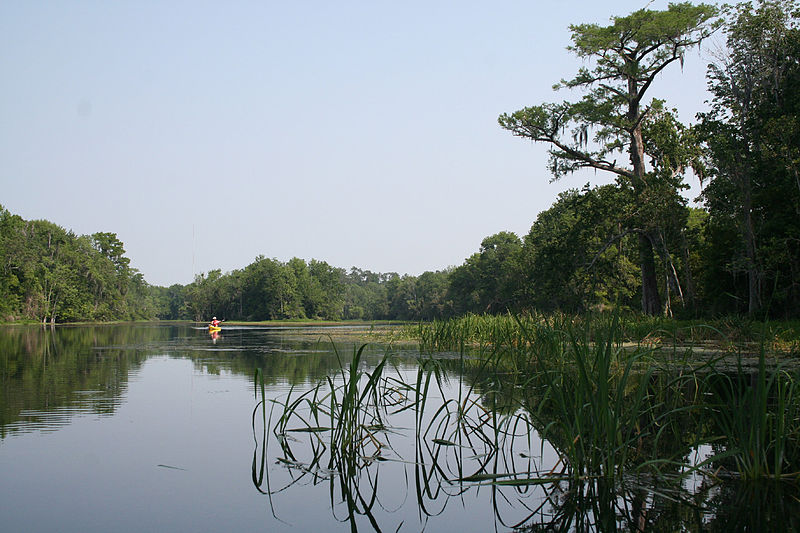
[
  {"x": 466, "y": 457},
  {"x": 49, "y": 375}
]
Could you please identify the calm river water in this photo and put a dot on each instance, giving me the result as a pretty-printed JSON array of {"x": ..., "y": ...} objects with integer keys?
[{"x": 151, "y": 428}]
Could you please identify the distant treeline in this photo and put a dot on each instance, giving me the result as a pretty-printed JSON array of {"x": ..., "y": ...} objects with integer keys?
[
  {"x": 564, "y": 263},
  {"x": 633, "y": 244}
]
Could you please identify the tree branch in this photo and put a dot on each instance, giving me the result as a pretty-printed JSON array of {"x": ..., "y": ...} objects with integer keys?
[{"x": 611, "y": 241}]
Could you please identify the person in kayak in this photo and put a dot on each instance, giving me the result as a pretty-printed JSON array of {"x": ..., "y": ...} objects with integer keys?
[{"x": 215, "y": 323}]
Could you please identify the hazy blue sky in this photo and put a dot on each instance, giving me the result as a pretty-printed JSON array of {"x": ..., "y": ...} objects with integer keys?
[{"x": 358, "y": 133}]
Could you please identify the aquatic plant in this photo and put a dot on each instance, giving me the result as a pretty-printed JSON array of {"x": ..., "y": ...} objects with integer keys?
[
  {"x": 595, "y": 408},
  {"x": 758, "y": 418},
  {"x": 725, "y": 334},
  {"x": 342, "y": 419},
  {"x": 546, "y": 410}
]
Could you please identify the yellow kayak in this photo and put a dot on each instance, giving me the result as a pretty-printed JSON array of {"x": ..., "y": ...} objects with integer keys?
[{"x": 212, "y": 329}]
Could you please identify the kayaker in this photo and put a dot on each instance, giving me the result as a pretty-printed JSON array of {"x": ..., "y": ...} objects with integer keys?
[{"x": 215, "y": 323}]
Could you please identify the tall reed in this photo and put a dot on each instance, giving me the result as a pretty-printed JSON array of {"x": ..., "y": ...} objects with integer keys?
[
  {"x": 596, "y": 407},
  {"x": 758, "y": 417}
]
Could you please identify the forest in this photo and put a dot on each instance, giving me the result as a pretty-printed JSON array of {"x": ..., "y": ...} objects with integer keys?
[{"x": 635, "y": 244}]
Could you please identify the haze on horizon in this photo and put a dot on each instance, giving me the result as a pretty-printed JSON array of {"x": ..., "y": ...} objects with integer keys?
[{"x": 361, "y": 134}]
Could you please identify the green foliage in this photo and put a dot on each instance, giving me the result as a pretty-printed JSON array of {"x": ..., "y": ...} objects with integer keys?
[
  {"x": 366, "y": 295},
  {"x": 488, "y": 281},
  {"x": 268, "y": 289},
  {"x": 751, "y": 138},
  {"x": 577, "y": 254},
  {"x": 628, "y": 55},
  {"x": 51, "y": 275}
]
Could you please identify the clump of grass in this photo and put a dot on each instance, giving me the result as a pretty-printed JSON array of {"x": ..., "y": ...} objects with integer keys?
[
  {"x": 758, "y": 418},
  {"x": 349, "y": 408},
  {"x": 343, "y": 421},
  {"x": 483, "y": 333},
  {"x": 461, "y": 435},
  {"x": 596, "y": 407}
]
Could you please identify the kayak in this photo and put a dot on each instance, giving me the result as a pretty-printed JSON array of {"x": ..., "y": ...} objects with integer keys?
[{"x": 212, "y": 329}]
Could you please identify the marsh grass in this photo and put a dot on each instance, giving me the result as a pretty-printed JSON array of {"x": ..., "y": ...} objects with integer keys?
[
  {"x": 758, "y": 418},
  {"x": 597, "y": 405},
  {"x": 725, "y": 334},
  {"x": 481, "y": 333},
  {"x": 331, "y": 433},
  {"x": 617, "y": 395},
  {"x": 540, "y": 403}
]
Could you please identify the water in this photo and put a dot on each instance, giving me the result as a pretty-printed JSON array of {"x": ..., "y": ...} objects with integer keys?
[{"x": 150, "y": 428}]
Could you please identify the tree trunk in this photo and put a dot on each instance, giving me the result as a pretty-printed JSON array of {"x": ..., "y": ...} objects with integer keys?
[
  {"x": 753, "y": 276},
  {"x": 672, "y": 280},
  {"x": 689, "y": 292},
  {"x": 651, "y": 302}
]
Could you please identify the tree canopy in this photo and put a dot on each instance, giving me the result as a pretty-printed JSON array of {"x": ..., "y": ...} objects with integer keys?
[{"x": 627, "y": 57}]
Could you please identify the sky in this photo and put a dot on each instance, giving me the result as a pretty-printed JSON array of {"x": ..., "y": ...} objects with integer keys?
[{"x": 360, "y": 133}]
